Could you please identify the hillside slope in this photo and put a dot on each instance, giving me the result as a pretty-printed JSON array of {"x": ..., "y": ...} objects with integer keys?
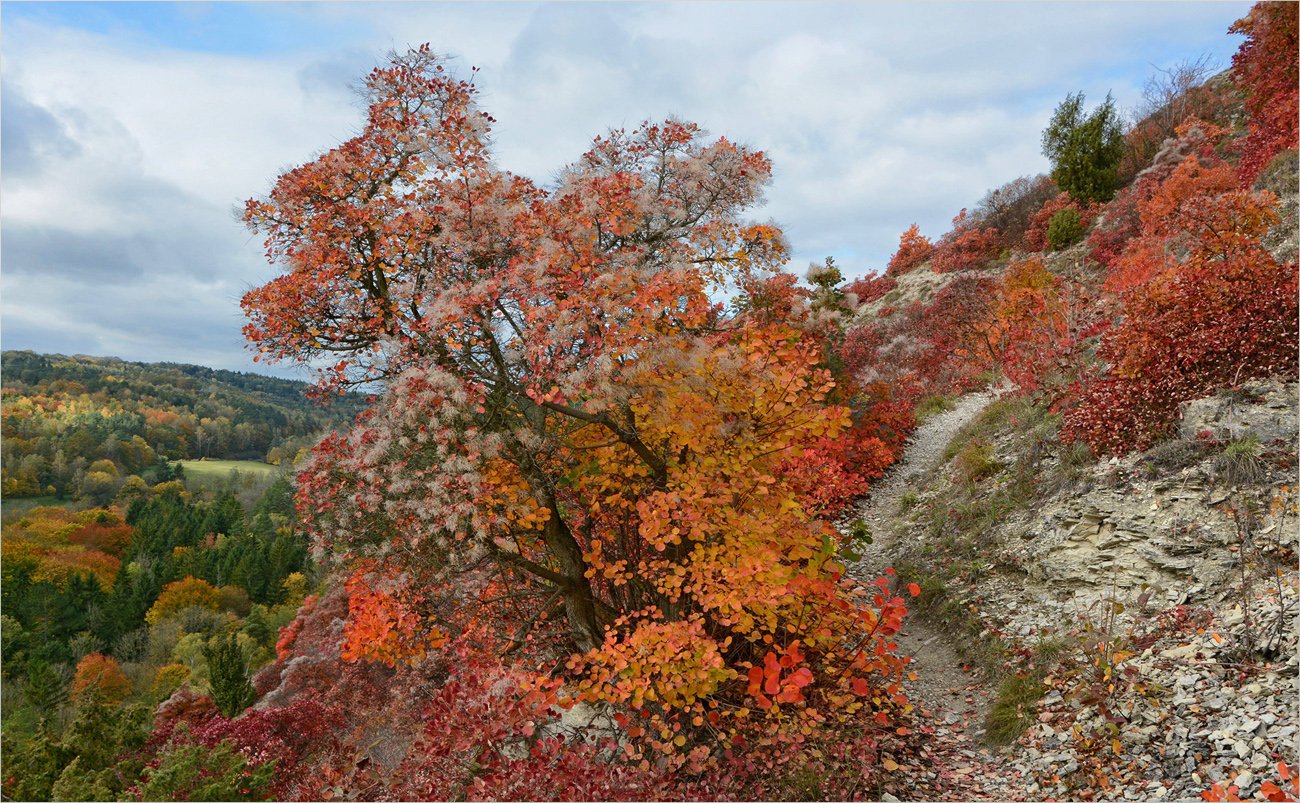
[{"x": 61, "y": 415}]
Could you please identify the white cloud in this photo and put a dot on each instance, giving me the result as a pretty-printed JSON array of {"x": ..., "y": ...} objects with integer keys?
[{"x": 877, "y": 115}]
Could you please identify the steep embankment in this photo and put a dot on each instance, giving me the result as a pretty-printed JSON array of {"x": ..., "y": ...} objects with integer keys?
[{"x": 1140, "y": 612}]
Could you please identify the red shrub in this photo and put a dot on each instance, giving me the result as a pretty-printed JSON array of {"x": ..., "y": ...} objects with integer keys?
[
  {"x": 872, "y": 287},
  {"x": 184, "y": 706},
  {"x": 836, "y": 471},
  {"x": 1266, "y": 66},
  {"x": 882, "y": 413},
  {"x": 482, "y": 734},
  {"x": 310, "y": 660},
  {"x": 111, "y": 539},
  {"x": 913, "y": 251},
  {"x": 1226, "y": 313},
  {"x": 1122, "y": 223},
  {"x": 966, "y": 247},
  {"x": 965, "y": 335},
  {"x": 297, "y": 737}
]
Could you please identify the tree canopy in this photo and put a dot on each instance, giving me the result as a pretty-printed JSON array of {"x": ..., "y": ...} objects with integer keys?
[
  {"x": 1085, "y": 149},
  {"x": 571, "y": 431}
]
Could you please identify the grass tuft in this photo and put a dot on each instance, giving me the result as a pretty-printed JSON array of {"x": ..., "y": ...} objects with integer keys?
[
  {"x": 1014, "y": 711},
  {"x": 1240, "y": 464}
]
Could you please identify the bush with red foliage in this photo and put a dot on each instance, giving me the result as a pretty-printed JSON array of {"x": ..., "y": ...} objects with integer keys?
[
  {"x": 872, "y": 287},
  {"x": 1266, "y": 66},
  {"x": 937, "y": 347},
  {"x": 966, "y": 247},
  {"x": 860, "y": 345},
  {"x": 486, "y": 732},
  {"x": 310, "y": 662},
  {"x": 107, "y": 537},
  {"x": 965, "y": 335},
  {"x": 184, "y": 706},
  {"x": 1122, "y": 222},
  {"x": 913, "y": 251},
  {"x": 1226, "y": 313},
  {"x": 835, "y": 471},
  {"x": 1158, "y": 203},
  {"x": 297, "y": 737},
  {"x": 881, "y": 412}
]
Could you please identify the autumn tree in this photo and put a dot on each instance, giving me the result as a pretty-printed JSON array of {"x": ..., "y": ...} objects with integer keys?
[
  {"x": 98, "y": 677},
  {"x": 1085, "y": 149},
  {"x": 183, "y": 594},
  {"x": 570, "y": 431}
]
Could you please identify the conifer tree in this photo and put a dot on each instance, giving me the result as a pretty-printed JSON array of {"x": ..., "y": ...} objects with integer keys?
[
  {"x": 1085, "y": 150},
  {"x": 228, "y": 674}
]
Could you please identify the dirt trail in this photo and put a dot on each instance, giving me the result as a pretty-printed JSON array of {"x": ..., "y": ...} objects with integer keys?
[{"x": 957, "y": 699}]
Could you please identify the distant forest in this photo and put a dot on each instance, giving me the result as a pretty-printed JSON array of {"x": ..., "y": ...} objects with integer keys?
[{"x": 79, "y": 427}]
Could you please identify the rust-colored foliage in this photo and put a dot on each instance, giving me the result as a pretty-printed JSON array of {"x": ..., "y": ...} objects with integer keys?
[
  {"x": 913, "y": 251},
  {"x": 1044, "y": 318},
  {"x": 385, "y": 627},
  {"x": 55, "y": 544},
  {"x": 966, "y": 247},
  {"x": 99, "y": 677},
  {"x": 962, "y": 324},
  {"x": 111, "y": 538},
  {"x": 1266, "y": 65},
  {"x": 872, "y": 287},
  {"x": 575, "y": 449},
  {"x": 1201, "y": 304}
]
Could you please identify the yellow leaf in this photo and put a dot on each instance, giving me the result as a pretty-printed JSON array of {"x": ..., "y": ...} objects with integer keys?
[{"x": 889, "y": 764}]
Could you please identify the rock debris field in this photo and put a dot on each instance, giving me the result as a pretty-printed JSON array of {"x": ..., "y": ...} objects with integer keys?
[{"x": 1202, "y": 694}]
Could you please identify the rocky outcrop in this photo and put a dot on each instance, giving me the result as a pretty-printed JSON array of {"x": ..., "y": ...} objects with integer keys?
[
  {"x": 1173, "y": 521},
  {"x": 1264, "y": 410}
]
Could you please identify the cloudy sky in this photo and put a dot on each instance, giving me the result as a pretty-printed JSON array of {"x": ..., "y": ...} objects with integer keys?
[{"x": 132, "y": 130}]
